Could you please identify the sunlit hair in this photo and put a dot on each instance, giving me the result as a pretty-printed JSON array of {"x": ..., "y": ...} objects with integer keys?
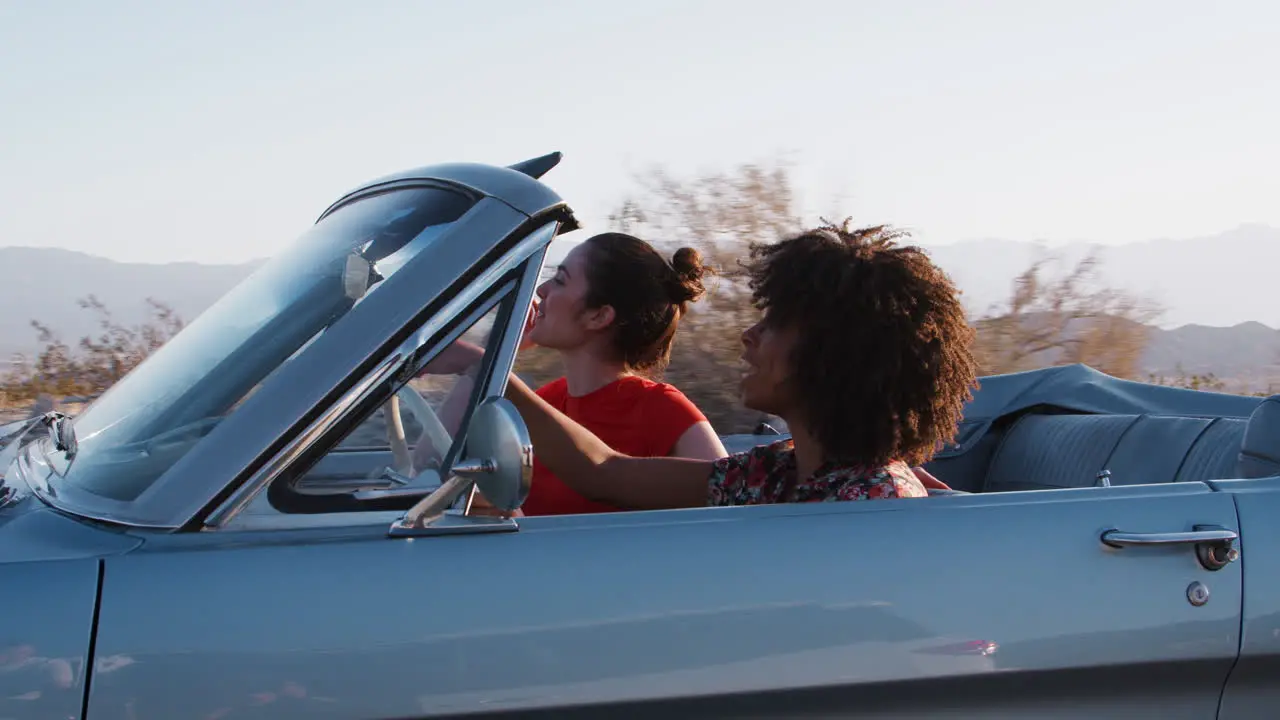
[
  {"x": 883, "y": 363},
  {"x": 648, "y": 294}
]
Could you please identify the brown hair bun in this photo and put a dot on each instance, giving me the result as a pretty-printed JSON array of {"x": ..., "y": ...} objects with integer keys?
[{"x": 687, "y": 262}]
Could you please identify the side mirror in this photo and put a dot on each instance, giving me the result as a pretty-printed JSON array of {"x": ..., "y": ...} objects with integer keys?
[
  {"x": 501, "y": 456},
  {"x": 500, "y": 462}
]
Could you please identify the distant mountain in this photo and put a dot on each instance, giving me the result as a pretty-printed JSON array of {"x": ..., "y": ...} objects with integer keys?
[
  {"x": 1245, "y": 356},
  {"x": 1216, "y": 290},
  {"x": 44, "y": 284},
  {"x": 1220, "y": 280}
]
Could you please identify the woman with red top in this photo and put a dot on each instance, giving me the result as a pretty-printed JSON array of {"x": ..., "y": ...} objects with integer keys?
[
  {"x": 611, "y": 312},
  {"x": 863, "y": 349}
]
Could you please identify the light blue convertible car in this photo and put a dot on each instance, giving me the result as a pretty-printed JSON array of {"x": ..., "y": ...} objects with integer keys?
[{"x": 271, "y": 518}]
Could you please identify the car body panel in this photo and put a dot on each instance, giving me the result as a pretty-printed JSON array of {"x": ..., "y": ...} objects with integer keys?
[
  {"x": 1254, "y": 691},
  {"x": 46, "y": 626},
  {"x": 31, "y": 532},
  {"x": 50, "y": 567},
  {"x": 694, "y": 604}
]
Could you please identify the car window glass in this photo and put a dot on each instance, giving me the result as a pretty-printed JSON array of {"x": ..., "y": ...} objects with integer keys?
[
  {"x": 146, "y": 422},
  {"x": 373, "y": 455}
]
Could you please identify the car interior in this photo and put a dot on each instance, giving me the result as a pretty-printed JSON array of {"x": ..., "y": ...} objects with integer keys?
[
  {"x": 1040, "y": 448},
  {"x": 1046, "y": 448},
  {"x": 1054, "y": 441}
]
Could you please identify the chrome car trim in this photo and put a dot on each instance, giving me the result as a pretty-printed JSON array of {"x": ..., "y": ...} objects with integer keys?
[
  {"x": 495, "y": 379},
  {"x": 513, "y": 333},
  {"x": 400, "y": 492},
  {"x": 453, "y": 522},
  {"x": 1119, "y": 538}
]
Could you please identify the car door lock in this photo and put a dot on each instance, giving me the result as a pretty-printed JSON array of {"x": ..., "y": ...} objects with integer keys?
[
  {"x": 1215, "y": 554},
  {"x": 1197, "y": 593}
]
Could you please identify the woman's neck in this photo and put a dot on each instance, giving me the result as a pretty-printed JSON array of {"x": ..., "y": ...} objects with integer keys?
[
  {"x": 809, "y": 453},
  {"x": 585, "y": 372}
]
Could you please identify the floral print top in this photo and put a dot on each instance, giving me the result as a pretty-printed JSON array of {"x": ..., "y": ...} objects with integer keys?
[{"x": 767, "y": 474}]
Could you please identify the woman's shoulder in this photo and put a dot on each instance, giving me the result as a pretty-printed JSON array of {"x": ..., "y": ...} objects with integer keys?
[
  {"x": 894, "y": 480},
  {"x": 557, "y": 388},
  {"x": 663, "y": 399},
  {"x": 765, "y": 454},
  {"x": 649, "y": 388}
]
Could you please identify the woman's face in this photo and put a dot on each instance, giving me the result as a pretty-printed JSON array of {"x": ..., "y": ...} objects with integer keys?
[
  {"x": 766, "y": 352},
  {"x": 562, "y": 320}
]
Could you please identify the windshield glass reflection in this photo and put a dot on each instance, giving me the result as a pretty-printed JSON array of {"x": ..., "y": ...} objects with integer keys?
[{"x": 147, "y": 421}]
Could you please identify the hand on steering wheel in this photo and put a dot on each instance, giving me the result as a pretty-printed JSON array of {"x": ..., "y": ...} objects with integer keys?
[{"x": 456, "y": 359}]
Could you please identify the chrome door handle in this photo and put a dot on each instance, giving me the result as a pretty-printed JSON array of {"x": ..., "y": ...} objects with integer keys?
[
  {"x": 1214, "y": 545},
  {"x": 1119, "y": 538}
]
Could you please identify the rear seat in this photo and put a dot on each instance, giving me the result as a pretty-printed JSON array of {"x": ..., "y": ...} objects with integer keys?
[{"x": 1042, "y": 452}]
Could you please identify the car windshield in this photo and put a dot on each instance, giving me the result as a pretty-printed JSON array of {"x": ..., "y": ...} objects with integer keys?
[{"x": 147, "y": 421}]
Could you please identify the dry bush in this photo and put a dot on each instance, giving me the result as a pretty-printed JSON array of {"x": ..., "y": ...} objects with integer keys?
[
  {"x": 95, "y": 363},
  {"x": 1048, "y": 319},
  {"x": 1073, "y": 317},
  {"x": 1190, "y": 381}
]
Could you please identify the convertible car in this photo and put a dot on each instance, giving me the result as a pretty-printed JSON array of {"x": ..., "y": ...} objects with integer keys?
[{"x": 274, "y": 517}]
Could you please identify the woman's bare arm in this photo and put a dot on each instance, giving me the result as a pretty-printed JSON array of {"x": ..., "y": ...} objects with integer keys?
[
  {"x": 598, "y": 472},
  {"x": 699, "y": 442}
]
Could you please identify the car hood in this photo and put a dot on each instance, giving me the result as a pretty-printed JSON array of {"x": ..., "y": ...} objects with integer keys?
[{"x": 31, "y": 531}]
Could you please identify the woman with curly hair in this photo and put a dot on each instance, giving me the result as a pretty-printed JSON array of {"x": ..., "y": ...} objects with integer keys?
[{"x": 863, "y": 349}]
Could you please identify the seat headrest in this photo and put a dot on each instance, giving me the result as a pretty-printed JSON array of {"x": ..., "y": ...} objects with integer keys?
[{"x": 1260, "y": 449}]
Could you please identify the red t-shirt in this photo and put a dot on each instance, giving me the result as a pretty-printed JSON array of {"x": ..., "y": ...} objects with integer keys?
[{"x": 632, "y": 415}]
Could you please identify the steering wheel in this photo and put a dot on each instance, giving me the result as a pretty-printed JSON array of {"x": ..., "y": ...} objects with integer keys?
[{"x": 433, "y": 430}]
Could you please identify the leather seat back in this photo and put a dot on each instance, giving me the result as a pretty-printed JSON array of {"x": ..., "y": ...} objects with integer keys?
[
  {"x": 1043, "y": 452},
  {"x": 1260, "y": 449}
]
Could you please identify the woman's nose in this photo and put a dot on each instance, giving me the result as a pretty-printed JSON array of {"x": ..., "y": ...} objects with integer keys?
[
  {"x": 541, "y": 291},
  {"x": 749, "y": 335}
]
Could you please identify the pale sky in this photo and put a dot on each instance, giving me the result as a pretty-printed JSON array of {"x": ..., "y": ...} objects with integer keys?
[{"x": 217, "y": 131}]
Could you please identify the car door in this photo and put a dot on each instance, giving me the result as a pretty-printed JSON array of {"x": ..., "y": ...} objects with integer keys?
[{"x": 991, "y": 606}]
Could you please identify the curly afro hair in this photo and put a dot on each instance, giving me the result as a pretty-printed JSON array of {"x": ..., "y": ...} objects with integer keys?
[{"x": 883, "y": 362}]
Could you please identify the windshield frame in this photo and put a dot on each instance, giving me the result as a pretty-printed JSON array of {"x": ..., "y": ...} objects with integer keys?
[{"x": 321, "y": 371}]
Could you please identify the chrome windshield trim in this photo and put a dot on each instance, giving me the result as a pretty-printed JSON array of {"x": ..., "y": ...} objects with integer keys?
[
  {"x": 533, "y": 243},
  {"x": 496, "y": 381},
  {"x": 495, "y": 378}
]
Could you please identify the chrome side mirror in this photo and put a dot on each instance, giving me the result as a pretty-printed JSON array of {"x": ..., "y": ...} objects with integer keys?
[{"x": 499, "y": 462}]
